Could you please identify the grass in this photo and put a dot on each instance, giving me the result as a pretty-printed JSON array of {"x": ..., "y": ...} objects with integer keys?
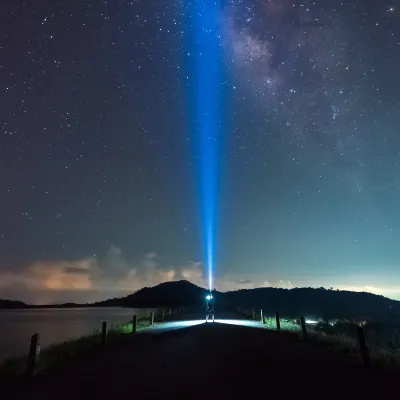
[
  {"x": 57, "y": 354},
  {"x": 286, "y": 324},
  {"x": 384, "y": 346},
  {"x": 384, "y": 350},
  {"x": 383, "y": 339}
]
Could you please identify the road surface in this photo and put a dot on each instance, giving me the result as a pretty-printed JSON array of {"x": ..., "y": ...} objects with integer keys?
[{"x": 211, "y": 361}]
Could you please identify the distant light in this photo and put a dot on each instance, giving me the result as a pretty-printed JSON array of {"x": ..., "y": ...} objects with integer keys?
[
  {"x": 311, "y": 322},
  {"x": 241, "y": 322},
  {"x": 174, "y": 325},
  {"x": 209, "y": 297},
  {"x": 169, "y": 326}
]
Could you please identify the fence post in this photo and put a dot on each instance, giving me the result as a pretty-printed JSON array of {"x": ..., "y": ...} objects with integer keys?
[
  {"x": 303, "y": 327},
  {"x": 262, "y": 317},
  {"x": 254, "y": 314},
  {"x": 34, "y": 352},
  {"x": 278, "y": 322},
  {"x": 134, "y": 324},
  {"x": 152, "y": 318},
  {"x": 162, "y": 314},
  {"x": 363, "y": 346},
  {"x": 170, "y": 311},
  {"x": 104, "y": 333}
]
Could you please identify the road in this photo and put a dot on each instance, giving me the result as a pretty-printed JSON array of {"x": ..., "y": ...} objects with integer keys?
[{"x": 210, "y": 361}]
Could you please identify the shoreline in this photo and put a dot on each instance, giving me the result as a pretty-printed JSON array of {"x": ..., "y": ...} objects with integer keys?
[
  {"x": 56, "y": 306},
  {"x": 57, "y": 354}
]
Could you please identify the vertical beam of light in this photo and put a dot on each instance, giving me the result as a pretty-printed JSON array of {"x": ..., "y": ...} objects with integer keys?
[{"x": 207, "y": 82}]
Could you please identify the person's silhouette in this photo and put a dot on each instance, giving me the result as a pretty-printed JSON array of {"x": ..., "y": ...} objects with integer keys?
[{"x": 210, "y": 306}]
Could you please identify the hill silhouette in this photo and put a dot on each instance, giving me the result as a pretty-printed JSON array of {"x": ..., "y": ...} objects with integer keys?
[
  {"x": 168, "y": 294},
  {"x": 318, "y": 302},
  {"x": 290, "y": 302},
  {"x": 11, "y": 304},
  {"x": 310, "y": 302}
]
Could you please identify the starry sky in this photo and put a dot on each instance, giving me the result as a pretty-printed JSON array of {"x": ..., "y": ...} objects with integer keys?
[{"x": 99, "y": 191}]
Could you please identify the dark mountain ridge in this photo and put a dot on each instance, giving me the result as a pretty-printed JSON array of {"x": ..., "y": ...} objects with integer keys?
[
  {"x": 11, "y": 304},
  {"x": 310, "y": 302},
  {"x": 168, "y": 294},
  {"x": 318, "y": 302}
]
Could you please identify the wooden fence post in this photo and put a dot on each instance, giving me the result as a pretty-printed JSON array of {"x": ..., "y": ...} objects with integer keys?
[
  {"x": 162, "y": 314},
  {"x": 134, "y": 324},
  {"x": 104, "y": 333},
  {"x": 152, "y": 318},
  {"x": 262, "y": 317},
  {"x": 34, "y": 352},
  {"x": 170, "y": 311},
  {"x": 254, "y": 314},
  {"x": 278, "y": 322},
  {"x": 303, "y": 327},
  {"x": 363, "y": 346}
]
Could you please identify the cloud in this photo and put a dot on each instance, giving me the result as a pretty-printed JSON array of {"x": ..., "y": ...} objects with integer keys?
[
  {"x": 227, "y": 283},
  {"x": 114, "y": 275},
  {"x": 244, "y": 281},
  {"x": 365, "y": 288},
  {"x": 75, "y": 270},
  {"x": 50, "y": 275},
  {"x": 92, "y": 279}
]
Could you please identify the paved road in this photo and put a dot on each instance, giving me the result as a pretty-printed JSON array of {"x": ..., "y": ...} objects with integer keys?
[{"x": 210, "y": 361}]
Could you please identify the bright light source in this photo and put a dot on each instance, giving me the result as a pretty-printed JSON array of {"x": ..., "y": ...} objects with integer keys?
[
  {"x": 311, "y": 322},
  {"x": 169, "y": 326},
  {"x": 241, "y": 322},
  {"x": 209, "y": 297},
  {"x": 173, "y": 325}
]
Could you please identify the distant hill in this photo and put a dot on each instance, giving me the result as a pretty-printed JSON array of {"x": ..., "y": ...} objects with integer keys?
[
  {"x": 168, "y": 294},
  {"x": 11, "y": 304},
  {"x": 289, "y": 302},
  {"x": 309, "y": 302},
  {"x": 318, "y": 302}
]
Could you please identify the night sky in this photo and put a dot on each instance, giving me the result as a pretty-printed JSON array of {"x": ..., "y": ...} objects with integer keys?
[{"x": 99, "y": 191}]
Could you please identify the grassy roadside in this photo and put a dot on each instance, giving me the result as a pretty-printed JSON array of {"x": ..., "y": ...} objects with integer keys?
[
  {"x": 384, "y": 354},
  {"x": 383, "y": 344},
  {"x": 59, "y": 353}
]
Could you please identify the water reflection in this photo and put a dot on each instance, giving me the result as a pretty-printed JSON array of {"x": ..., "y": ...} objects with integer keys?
[{"x": 54, "y": 325}]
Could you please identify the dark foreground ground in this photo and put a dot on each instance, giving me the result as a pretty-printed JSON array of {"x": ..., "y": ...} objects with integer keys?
[{"x": 211, "y": 361}]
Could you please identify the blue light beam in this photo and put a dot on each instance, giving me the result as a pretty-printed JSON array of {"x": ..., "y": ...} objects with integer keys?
[{"x": 207, "y": 87}]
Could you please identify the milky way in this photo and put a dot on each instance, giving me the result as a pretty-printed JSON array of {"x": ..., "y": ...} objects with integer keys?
[
  {"x": 99, "y": 183},
  {"x": 309, "y": 68}
]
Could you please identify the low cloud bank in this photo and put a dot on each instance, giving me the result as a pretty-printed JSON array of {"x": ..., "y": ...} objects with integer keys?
[{"x": 92, "y": 279}]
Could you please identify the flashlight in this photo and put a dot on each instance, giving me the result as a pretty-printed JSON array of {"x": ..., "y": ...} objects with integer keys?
[{"x": 209, "y": 297}]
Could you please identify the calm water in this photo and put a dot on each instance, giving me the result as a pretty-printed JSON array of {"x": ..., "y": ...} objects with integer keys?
[{"x": 54, "y": 325}]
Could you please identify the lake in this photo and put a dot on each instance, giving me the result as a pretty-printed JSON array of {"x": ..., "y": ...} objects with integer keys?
[{"x": 55, "y": 325}]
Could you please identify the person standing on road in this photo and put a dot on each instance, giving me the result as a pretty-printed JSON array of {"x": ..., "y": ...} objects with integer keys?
[{"x": 210, "y": 307}]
